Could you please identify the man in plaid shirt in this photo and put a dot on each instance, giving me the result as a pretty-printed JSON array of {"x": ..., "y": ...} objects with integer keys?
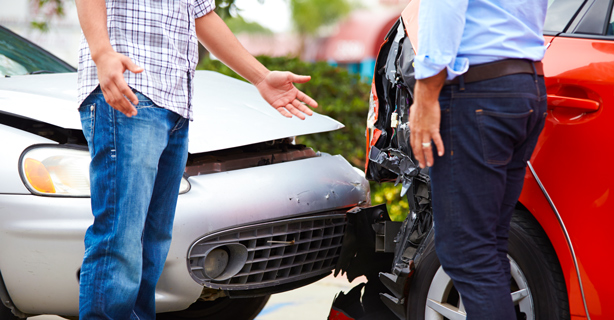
[{"x": 137, "y": 61}]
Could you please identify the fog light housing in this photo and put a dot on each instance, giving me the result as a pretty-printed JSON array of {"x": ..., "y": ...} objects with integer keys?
[
  {"x": 224, "y": 261},
  {"x": 216, "y": 262}
]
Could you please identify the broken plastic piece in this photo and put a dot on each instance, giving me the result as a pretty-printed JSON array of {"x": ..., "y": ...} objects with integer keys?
[
  {"x": 398, "y": 162},
  {"x": 394, "y": 120}
]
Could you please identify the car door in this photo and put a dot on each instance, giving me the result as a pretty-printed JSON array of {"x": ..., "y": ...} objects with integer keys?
[{"x": 573, "y": 158}]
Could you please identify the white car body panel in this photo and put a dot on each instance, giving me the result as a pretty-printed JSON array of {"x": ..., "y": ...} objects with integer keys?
[
  {"x": 14, "y": 141},
  {"x": 227, "y": 112}
]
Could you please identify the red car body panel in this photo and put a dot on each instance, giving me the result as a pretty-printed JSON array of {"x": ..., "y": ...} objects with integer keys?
[{"x": 573, "y": 162}]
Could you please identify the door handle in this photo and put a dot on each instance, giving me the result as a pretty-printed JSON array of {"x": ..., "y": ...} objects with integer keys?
[{"x": 583, "y": 105}]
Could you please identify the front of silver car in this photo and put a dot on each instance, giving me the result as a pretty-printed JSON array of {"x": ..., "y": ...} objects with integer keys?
[{"x": 257, "y": 214}]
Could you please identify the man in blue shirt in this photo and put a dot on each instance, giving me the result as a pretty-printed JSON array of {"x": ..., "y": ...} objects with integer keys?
[{"x": 480, "y": 98}]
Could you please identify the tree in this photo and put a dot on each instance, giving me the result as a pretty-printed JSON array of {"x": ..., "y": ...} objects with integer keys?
[
  {"x": 225, "y": 8},
  {"x": 308, "y": 16},
  {"x": 48, "y": 9},
  {"x": 55, "y": 8},
  {"x": 238, "y": 25}
]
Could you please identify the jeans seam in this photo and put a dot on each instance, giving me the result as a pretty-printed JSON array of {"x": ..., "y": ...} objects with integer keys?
[
  {"x": 92, "y": 123},
  {"x": 506, "y": 115},
  {"x": 113, "y": 181},
  {"x": 471, "y": 95},
  {"x": 178, "y": 125},
  {"x": 450, "y": 129},
  {"x": 539, "y": 96},
  {"x": 527, "y": 156},
  {"x": 453, "y": 192}
]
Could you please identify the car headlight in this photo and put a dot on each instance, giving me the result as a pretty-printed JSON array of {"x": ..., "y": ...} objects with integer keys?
[{"x": 61, "y": 171}]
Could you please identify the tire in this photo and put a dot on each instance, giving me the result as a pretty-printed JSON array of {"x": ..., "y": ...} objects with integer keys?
[
  {"x": 537, "y": 280},
  {"x": 219, "y": 309}
]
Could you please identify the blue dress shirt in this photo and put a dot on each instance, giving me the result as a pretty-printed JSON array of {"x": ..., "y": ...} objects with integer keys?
[{"x": 455, "y": 34}]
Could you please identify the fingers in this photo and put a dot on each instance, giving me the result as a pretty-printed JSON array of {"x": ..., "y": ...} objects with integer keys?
[
  {"x": 427, "y": 148},
  {"x": 307, "y": 99},
  {"x": 301, "y": 107},
  {"x": 416, "y": 146},
  {"x": 293, "y": 108},
  {"x": 284, "y": 112},
  {"x": 116, "y": 98},
  {"x": 133, "y": 67},
  {"x": 278, "y": 90},
  {"x": 127, "y": 92},
  {"x": 423, "y": 147},
  {"x": 111, "y": 67},
  {"x": 121, "y": 83},
  {"x": 439, "y": 144},
  {"x": 298, "y": 79}
]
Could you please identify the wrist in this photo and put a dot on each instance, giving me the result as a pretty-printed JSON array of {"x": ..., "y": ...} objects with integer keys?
[
  {"x": 99, "y": 53},
  {"x": 260, "y": 77}
]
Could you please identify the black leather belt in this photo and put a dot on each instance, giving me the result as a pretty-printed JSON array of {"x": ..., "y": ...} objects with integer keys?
[{"x": 499, "y": 68}]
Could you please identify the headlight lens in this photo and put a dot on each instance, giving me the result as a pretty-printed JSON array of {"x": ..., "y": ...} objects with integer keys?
[
  {"x": 184, "y": 186},
  {"x": 56, "y": 171},
  {"x": 61, "y": 171}
]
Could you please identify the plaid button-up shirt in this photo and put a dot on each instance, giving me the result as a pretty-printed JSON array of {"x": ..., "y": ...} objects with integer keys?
[{"x": 159, "y": 36}]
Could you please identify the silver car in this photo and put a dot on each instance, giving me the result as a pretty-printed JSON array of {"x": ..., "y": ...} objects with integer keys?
[{"x": 257, "y": 214}]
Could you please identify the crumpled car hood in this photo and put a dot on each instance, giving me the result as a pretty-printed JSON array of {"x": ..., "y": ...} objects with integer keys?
[{"x": 227, "y": 112}]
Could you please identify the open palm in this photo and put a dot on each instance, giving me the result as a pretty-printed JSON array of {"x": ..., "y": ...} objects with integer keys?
[{"x": 278, "y": 89}]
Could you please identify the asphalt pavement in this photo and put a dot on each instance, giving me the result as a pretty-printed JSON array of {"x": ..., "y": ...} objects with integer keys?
[{"x": 311, "y": 302}]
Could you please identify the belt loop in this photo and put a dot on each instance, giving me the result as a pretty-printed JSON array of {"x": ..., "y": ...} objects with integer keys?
[
  {"x": 534, "y": 71},
  {"x": 461, "y": 83}
]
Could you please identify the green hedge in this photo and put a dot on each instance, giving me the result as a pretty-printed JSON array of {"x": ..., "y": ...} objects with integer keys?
[{"x": 341, "y": 96}]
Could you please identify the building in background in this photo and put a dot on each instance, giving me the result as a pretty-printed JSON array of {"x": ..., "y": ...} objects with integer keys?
[{"x": 357, "y": 41}]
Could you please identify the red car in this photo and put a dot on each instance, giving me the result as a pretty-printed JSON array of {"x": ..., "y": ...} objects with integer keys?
[{"x": 560, "y": 230}]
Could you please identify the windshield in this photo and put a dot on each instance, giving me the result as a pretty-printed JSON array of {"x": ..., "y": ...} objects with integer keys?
[{"x": 18, "y": 56}]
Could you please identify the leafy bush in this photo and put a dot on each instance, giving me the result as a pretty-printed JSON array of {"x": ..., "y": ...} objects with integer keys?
[{"x": 341, "y": 96}]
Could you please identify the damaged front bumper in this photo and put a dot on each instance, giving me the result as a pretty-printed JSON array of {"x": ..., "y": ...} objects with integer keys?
[{"x": 386, "y": 252}]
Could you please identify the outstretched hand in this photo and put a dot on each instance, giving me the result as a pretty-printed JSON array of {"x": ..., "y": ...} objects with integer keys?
[{"x": 278, "y": 90}]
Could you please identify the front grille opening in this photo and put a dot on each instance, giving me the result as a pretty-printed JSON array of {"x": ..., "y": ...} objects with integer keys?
[
  {"x": 278, "y": 252},
  {"x": 254, "y": 155}
]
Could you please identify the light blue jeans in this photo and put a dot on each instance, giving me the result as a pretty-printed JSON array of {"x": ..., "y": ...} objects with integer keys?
[{"x": 136, "y": 169}]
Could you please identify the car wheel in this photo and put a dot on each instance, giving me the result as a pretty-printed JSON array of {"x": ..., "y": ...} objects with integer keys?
[
  {"x": 219, "y": 309},
  {"x": 538, "y": 286}
]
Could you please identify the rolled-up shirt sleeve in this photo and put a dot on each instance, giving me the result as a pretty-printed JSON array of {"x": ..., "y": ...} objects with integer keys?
[
  {"x": 202, "y": 7},
  {"x": 441, "y": 25}
]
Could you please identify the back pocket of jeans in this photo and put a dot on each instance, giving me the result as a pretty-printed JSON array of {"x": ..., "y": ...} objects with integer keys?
[{"x": 500, "y": 132}]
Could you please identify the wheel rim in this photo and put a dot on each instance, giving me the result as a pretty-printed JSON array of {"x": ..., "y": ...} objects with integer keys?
[{"x": 443, "y": 300}]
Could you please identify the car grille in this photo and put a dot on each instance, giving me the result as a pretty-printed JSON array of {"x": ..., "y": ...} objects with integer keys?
[{"x": 278, "y": 252}]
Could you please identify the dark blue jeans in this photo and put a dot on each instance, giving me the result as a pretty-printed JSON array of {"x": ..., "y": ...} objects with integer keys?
[
  {"x": 489, "y": 131},
  {"x": 135, "y": 173}
]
